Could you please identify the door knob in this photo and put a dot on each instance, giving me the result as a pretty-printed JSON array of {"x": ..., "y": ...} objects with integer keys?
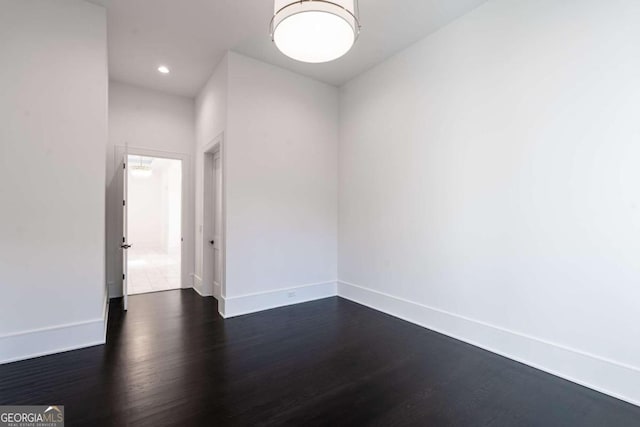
[
  {"x": 211, "y": 242},
  {"x": 125, "y": 246}
]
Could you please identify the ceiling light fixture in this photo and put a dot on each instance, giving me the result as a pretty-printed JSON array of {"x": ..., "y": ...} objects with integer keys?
[
  {"x": 315, "y": 31},
  {"x": 142, "y": 169},
  {"x": 163, "y": 69}
]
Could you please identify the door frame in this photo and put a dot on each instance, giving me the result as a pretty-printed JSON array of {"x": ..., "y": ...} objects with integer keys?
[
  {"x": 215, "y": 146},
  {"x": 120, "y": 151}
]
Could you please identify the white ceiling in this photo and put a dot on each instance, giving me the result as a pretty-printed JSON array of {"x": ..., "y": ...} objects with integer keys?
[{"x": 191, "y": 36}]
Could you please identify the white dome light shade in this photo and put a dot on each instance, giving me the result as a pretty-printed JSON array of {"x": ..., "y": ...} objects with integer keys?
[
  {"x": 314, "y": 31},
  {"x": 314, "y": 37}
]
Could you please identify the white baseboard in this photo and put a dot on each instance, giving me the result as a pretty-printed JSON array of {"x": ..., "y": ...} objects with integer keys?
[
  {"x": 198, "y": 291},
  {"x": 199, "y": 287},
  {"x": 245, "y": 304},
  {"x": 56, "y": 339},
  {"x": 105, "y": 311},
  {"x": 40, "y": 342},
  {"x": 606, "y": 376}
]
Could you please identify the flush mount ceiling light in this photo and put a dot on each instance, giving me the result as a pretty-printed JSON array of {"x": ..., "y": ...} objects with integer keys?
[
  {"x": 163, "y": 69},
  {"x": 315, "y": 31}
]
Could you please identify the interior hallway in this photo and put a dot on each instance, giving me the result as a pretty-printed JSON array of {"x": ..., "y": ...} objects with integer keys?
[{"x": 172, "y": 361}]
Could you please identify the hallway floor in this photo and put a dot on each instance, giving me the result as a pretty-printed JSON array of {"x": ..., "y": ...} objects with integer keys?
[
  {"x": 171, "y": 360},
  {"x": 152, "y": 271}
]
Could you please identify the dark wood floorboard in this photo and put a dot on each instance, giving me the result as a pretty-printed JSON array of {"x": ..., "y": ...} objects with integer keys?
[{"x": 172, "y": 361}]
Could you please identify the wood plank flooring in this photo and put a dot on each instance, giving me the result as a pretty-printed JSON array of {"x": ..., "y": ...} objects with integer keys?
[{"x": 172, "y": 361}]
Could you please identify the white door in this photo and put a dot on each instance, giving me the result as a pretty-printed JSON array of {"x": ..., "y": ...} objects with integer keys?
[
  {"x": 217, "y": 225},
  {"x": 125, "y": 245}
]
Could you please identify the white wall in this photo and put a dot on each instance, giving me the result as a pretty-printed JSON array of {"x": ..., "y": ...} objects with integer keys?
[
  {"x": 280, "y": 160},
  {"x": 210, "y": 122},
  {"x": 489, "y": 186},
  {"x": 154, "y": 121},
  {"x": 154, "y": 206},
  {"x": 281, "y": 178},
  {"x": 147, "y": 219},
  {"x": 172, "y": 181},
  {"x": 53, "y": 110}
]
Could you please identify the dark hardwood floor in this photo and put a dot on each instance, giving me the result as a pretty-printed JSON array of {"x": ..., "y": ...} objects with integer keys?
[{"x": 172, "y": 361}]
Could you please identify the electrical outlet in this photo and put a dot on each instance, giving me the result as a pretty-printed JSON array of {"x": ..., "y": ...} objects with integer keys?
[{"x": 291, "y": 294}]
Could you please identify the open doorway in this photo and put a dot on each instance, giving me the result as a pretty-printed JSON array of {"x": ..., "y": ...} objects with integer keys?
[{"x": 154, "y": 224}]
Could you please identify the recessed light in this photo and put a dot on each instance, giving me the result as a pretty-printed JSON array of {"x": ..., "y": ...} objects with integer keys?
[{"x": 163, "y": 69}]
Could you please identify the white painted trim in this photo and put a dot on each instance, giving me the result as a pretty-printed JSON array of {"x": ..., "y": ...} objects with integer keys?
[
  {"x": 216, "y": 145},
  {"x": 251, "y": 303},
  {"x": 106, "y": 320},
  {"x": 598, "y": 373},
  {"x": 197, "y": 285},
  {"x": 105, "y": 312},
  {"x": 55, "y": 339},
  {"x": 186, "y": 194},
  {"x": 198, "y": 292}
]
